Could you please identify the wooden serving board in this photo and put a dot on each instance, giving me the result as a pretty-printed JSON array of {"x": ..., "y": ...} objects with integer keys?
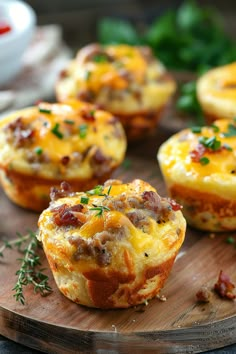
[{"x": 54, "y": 324}]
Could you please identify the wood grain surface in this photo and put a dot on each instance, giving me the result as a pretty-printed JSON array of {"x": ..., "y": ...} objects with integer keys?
[{"x": 54, "y": 324}]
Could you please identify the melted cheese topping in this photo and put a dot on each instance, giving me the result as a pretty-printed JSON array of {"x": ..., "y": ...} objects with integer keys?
[
  {"x": 216, "y": 91},
  {"x": 161, "y": 241},
  {"x": 218, "y": 176},
  {"x": 58, "y": 134},
  {"x": 118, "y": 78}
]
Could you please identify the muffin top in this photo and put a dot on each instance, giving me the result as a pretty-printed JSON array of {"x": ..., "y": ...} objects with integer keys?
[
  {"x": 71, "y": 140},
  {"x": 217, "y": 91},
  {"x": 96, "y": 225},
  {"x": 110, "y": 74},
  {"x": 203, "y": 158}
]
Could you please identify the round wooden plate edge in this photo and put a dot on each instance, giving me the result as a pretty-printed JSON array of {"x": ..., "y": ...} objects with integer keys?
[{"x": 52, "y": 338}]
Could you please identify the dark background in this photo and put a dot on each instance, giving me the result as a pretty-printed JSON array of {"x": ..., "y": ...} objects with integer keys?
[{"x": 79, "y": 18}]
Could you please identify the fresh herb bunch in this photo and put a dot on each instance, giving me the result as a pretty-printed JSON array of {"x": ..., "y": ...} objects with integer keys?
[
  {"x": 190, "y": 38},
  {"x": 29, "y": 272}
]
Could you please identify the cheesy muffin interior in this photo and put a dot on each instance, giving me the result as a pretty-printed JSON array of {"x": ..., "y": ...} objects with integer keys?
[
  {"x": 125, "y": 80},
  {"x": 199, "y": 168},
  {"x": 112, "y": 246},
  {"x": 44, "y": 145},
  {"x": 216, "y": 91}
]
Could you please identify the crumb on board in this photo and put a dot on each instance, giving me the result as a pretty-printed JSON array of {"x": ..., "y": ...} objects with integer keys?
[
  {"x": 203, "y": 294},
  {"x": 161, "y": 297}
]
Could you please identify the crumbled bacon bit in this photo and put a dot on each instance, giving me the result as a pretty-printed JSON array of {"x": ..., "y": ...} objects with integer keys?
[
  {"x": 197, "y": 153},
  {"x": 174, "y": 205},
  {"x": 203, "y": 294},
  {"x": 88, "y": 115},
  {"x": 67, "y": 216},
  {"x": 224, "y": 287},
  {"x": 65, "y": 190},
  {"x": 22, "y": 133},
  {"x": 65, "y": 160}
]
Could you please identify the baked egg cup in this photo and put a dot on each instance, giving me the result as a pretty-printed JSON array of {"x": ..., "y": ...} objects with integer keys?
[
  {"x": 216, "y": 92},
  {"x": 125, "y": 80},
  {"x": 44, "y": 145},
  {"x": 113, "y": 246},
  {"x": 199, "y": 169}
]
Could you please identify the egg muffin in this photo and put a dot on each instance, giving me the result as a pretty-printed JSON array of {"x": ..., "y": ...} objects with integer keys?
[
  {"x": 112, "y": 246},
  {"x": 42, "y": 146},
  {"x": 125, "y": 80},
  {"x": 199, "y": 168},
  {"x": 216, "y": 92}
]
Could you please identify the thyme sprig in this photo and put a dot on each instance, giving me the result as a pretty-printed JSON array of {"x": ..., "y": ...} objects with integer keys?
[{"x": 29, "y": 272}]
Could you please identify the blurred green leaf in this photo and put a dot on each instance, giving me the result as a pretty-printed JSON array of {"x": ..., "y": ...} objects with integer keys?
[{"x": 112, "y": 31}]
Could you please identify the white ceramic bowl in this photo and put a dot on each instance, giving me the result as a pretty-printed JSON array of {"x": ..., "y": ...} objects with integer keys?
[{"x": 21, "y": 18}]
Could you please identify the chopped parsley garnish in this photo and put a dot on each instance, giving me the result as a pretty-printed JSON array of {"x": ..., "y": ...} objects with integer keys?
[
  {"x": 83, "y": 129},
  {"x": 210, "y": 143},
  {"x": 196, "y": 129},
  {"x": 55, "y": 131},
  {"x": 100, "y": 58},
  {"x": 109, "y": 190},
  {"x": 69, "y": 121},
  {"x": 230, "y": 240},
  {"x": 215, "y": 128},
  {"x": 126, "y": 164},
  {"x": 38, "y": 150},
  {"x": 227, "y": 147},
  {"x": 96, "y": 191},
  {"x": 84, "y": 200},
  {"x": 45, "y": 110},
  {"x": 204, "y": 160},
  {"x": 231, "y": 131}
]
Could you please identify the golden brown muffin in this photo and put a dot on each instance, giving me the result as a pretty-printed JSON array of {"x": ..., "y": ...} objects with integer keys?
[
  {"x": 199, "y": 168},
  {"x": 216, "y": 92},
  {"x": 125, "y": 80},
  {"x": 44, "y": 145},
  {"x": 113, "y": 246}
]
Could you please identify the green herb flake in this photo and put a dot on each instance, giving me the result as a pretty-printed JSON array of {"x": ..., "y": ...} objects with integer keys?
[
  {"x": 196, "y": 129},
  {"x": 69, "y": 121},
  {"x": 204, "y": 161},
  {"x": 100, "y": 58},
  {"x": 38, "y": 150},
  {"x": 227, "y": 147},
  {"x": 98, "y": 190},
  {"x": 45, "y": 110},
  {"x": 210, "y": 143},
  {"x": 83, "y": 129},
  {"x": 109, "y": 190},
  {"x": 55, "y": 131},
  {"x": 84, "y": 200},
  {"x": 126, "y": 164},
  {"x": 231, "y": 131},
  {"x": 230, "y": 240},
  {"x": 215, "y": 128}
]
